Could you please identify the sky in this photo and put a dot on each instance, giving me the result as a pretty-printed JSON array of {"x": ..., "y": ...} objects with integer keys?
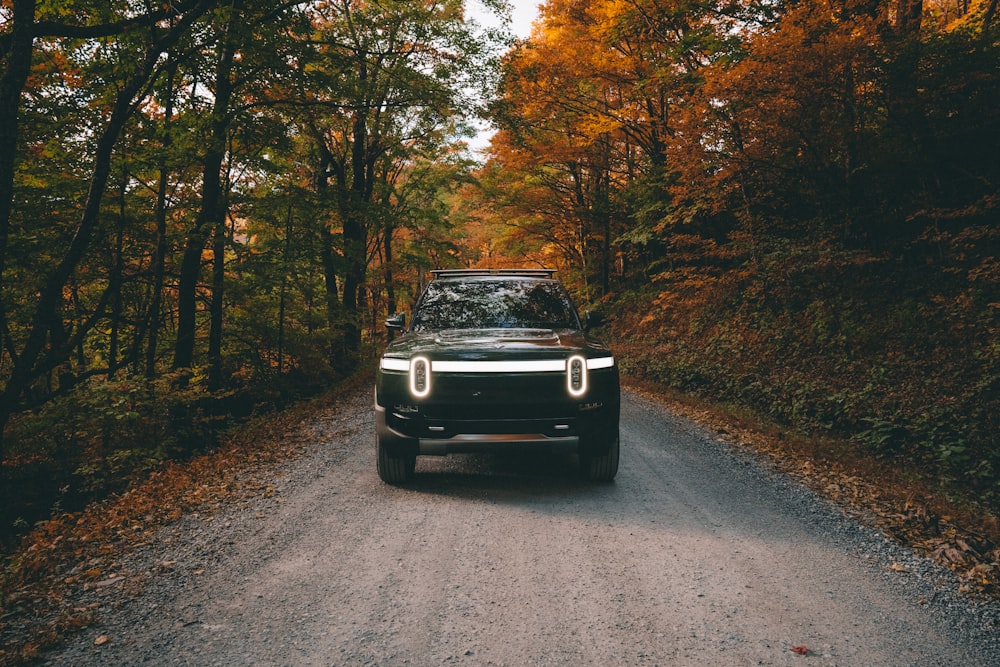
[{"x": 522, "y": 14}]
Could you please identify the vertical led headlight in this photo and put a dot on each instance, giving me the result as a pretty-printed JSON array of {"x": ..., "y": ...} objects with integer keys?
[
  {"x": 576, "y": 375},
  {"x": 420, "y": 376}
]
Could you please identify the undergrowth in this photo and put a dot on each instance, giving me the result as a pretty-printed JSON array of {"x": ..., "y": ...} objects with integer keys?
[
  {"x": 106, "y": 434},
  {"x": 900, "y": 356}
]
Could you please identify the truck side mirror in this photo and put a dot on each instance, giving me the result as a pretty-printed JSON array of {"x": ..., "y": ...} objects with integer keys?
[
  {"x": 593, "y": 318},
  {"x": 396, "y": 322}
]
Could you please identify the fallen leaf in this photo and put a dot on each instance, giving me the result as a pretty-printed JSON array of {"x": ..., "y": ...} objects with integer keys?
[
  {"x": 800, "y": 650},
  {"x": 899, "y": 567},
  {"x": 102, "y": 640},
  {"x": 113, "y": 579}
]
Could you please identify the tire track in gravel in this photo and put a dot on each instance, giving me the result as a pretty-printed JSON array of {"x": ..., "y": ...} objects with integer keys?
[{"x": 696, "y": 554}]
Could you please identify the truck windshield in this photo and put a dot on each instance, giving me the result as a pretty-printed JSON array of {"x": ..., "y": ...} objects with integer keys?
[{"x": 494, "y": 304}]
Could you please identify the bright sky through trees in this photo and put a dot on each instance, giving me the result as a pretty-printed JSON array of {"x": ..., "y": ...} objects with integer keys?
[{"x": 523, "y": 13}]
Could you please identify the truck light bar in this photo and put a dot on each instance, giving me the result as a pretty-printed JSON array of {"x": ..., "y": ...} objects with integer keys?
[{"x": 461, "y": 273}]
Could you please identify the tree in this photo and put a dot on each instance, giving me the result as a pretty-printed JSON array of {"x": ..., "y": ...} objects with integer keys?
[
  {"x": 388, "y": 76},
  {"x": 251, "y": 57},
  {"x": 135, "y": 138},
  {"x": 44, "y": 344}
]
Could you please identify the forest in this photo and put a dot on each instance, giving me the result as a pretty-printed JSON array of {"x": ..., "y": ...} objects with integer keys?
[{"x": 209, "y": 207}]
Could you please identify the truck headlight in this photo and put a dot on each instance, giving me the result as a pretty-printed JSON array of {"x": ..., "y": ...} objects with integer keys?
[
  {"x": 420, "y": 376},
  {"x": 576, "y": 375}
]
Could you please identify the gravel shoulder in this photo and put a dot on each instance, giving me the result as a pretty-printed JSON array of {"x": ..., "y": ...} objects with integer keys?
[{"x": 698, "y": 553}]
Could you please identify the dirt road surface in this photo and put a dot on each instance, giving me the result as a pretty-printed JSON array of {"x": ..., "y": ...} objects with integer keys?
[{"x": 696, "y": 555}]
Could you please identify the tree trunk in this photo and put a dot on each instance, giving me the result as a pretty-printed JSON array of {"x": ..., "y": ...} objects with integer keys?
[
  {"x": 115, "y": 280},
  {"x": 991, "y": 12},
  {"x": 327, "y": 255},
  {"x": 908, "y": 16},
  {"x": 211, "y": 200},
  {"x": 160, "y": 252},
  {"x": 355, "y": 245},
  {"x": 12, "y": 83},
  {"x": 333, "y": 315},
  {"x": 284, "y": 289},
  {"x": 390, "y": 289},
  {"x": 215, "y": 375},
  {"x": 355, "y": 235}
]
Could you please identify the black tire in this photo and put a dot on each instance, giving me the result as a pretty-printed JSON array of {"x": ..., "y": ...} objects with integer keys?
[
  {"x": 393, "y": 469},
  {"x": 602, "y": 467}
]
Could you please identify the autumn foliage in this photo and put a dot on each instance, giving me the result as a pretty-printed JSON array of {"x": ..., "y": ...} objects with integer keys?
[
  {"x": 207, "y": 209},
  {"x": 791, "y": 207}
]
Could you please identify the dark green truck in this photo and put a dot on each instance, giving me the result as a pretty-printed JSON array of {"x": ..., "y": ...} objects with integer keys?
[{"x": 495, "y": 359}]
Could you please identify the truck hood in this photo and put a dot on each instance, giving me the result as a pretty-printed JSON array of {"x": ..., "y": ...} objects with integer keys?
[{"x": 491, "y": 344}]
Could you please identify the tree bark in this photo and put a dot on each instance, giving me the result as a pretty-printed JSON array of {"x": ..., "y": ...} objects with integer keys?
[
  {"x": 390, "y": 288},
  {"x": 356, "y": 234},
  {"x": 991, "y": 12},
  {"x": 160, "y": 252},
  {"x": 285, "y": 259},
  {"x": 215, "y": 374},
  {"x": 12, "y": 83},
  {"x": 117, "y": 275},
  {"x": 327, "y": 256},
  {"x": 211, "y": 200}
]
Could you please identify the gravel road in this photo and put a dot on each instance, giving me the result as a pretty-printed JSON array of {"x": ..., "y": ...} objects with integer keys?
[{"x": 697, "y": 554}]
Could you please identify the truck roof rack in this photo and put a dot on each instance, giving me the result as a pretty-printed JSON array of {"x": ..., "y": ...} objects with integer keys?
[{"x": 461, "y": 273}]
